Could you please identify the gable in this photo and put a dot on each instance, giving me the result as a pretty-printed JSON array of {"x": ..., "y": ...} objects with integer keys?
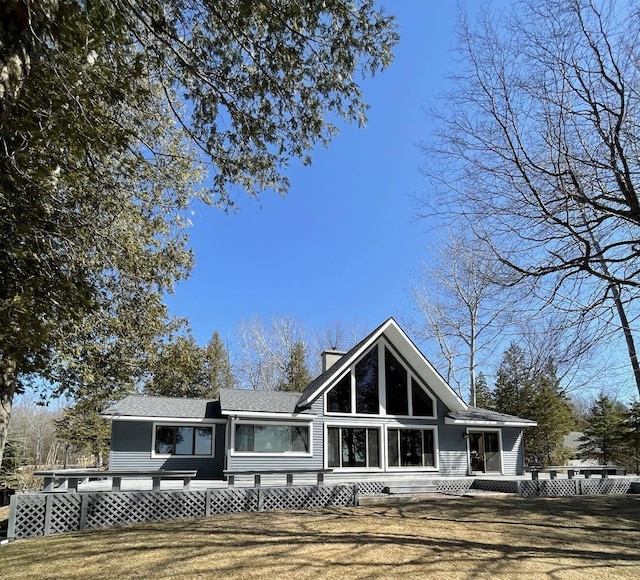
[{"x": 388, "y": 332}]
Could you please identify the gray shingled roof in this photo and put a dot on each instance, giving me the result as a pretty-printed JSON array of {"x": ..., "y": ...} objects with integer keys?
[
  {"x": 144, "y": 406},
  {"x": 258, "y": 401},
  {"x": 476, "y": 414}
]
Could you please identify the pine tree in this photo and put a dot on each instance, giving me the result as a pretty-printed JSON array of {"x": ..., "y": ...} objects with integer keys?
[
  {"x": 513, "y": 389},
  {"x": 296, "y": 375},
  {"x": 82, "y": 428},
  {"x": 484, "y": 396},
  {"x": 604, "y": 435},
  {"x": 632, "y": 438},
  {"x": 551, "y": 410},
  {"x": 218, "y": 368}
]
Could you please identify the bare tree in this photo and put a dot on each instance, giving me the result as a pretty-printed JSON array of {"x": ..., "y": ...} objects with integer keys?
[
  {"x": 537, "y": 153},
  {"x": 264, "y": 352},
  {"x": 462, "y": 306}
]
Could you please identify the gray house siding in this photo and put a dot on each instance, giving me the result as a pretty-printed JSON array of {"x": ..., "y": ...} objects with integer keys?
[
  {"x": 131, "y": 444},
  {"x": 512, "y": 451}
]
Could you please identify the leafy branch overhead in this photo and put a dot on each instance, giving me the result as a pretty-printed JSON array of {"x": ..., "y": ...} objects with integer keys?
[{"x": 114, "y": 117}]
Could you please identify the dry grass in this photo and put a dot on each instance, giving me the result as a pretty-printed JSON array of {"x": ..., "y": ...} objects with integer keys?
[{"x": 577, "y": 537}]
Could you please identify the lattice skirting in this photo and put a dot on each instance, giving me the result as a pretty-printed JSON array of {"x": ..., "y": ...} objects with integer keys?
[
  {"x": 502, "y": 486},
  {"x": 565, "y": 487},
  {"x": 454, "y": 486},
  {"x": 51, "y": 513}
]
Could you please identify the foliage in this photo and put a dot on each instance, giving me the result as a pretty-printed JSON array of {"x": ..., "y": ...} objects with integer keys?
[
  {"x": 552, "y": 412},
  {"x": 182, "y": 368},
  {"x": 99, "y": 159},
  {"x": 484, "y": 396},
  {"x": 632, "y": 447},
  {"x": 296, "y": 375},
  {"x": 514, "y": 390},
  {"x": 527, "y": 390},
  {"x": 82, "y": 429},
  {"x": 605, "y": 432}
]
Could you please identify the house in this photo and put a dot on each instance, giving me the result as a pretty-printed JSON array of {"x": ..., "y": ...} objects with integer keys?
[{"x": 376, "y": 410}]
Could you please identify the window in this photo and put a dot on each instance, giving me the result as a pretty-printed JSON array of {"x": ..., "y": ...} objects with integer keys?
[
  {"x": 367, "y": 383},
  {"x": 339, "y": 398},
  {"x": 353, "y": 447},
  {"x": 421, "y": 403},
  {"x": 396, "y": 385},
  {"x": 255, "y": 438},
  {"x": 411, "y": 448},
  {"x": 182, "y": 440},
  {"x": 373, "y": 383}
]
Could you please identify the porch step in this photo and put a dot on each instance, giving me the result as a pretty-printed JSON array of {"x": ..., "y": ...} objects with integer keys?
[{"x": 409, "y": 489}]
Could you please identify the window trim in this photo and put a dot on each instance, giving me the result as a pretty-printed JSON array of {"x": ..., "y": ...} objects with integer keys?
[
  {"x": 474, "y": 429},
  {"x": 247, "y": 421},
  {"x": 382, "y": 386},
  {"x": 193, "y": 425},
  {"x": 436, "y": 449},
  {"x": 363, "y": 425}
]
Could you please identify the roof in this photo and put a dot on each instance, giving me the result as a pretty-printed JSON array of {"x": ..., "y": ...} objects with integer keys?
[
  {"x": 246, "y": 400},
  {"x": 478, "y": 416},
  {"x": 412, "y": 355},
  {"x": 163, "y": 407}
]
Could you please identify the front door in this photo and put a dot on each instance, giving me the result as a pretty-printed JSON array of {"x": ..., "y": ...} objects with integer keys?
[{"x": 484, "y": 449}]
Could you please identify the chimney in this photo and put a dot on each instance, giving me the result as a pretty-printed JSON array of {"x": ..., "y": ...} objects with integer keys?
[{"x": 331, "y": 357}]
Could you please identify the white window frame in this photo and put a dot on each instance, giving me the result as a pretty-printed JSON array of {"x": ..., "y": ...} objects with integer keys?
[
  {"x": 382, "y": 387},
  {"x": 248, "y": 421},
  {"x": 193, "y": 424},
  {"x": 436, "y": 449},
  {"x": 359, "y": 425}
]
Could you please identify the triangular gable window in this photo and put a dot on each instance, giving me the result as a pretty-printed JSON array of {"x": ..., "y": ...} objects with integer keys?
[{"x": 365, "y": 390}]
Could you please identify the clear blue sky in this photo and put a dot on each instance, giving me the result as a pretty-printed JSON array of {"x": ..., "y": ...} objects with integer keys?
[{"x": 344, "y": 244}]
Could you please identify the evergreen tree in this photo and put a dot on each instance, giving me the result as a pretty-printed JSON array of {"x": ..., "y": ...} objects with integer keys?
[
  {"x": 111, "y": 113},
  {"x": 82, "y": 428},
  {"x": 296, "y": 375},
  {"x": 604, "y": 435},
  {"x": 513, "y": 389},
  {"x": 632, "y": 439},
  {"x": 551, "y": 410},
  {"x": 182, "y": 368},
  {"x": 484, "y": 396},
  {"x": 532, "y": 391},
  {"x": 218, "y": 368}
]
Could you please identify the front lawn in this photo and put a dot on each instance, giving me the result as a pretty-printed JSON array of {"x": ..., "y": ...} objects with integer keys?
[{"x": 484, "y": 537}]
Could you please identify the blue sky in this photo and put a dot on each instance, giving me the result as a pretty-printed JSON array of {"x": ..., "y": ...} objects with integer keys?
[{"x": 344, "y": 244}]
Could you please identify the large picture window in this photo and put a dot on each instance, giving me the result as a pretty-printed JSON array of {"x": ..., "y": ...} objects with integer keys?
[
  {"x": 256, "y": 438},
  {"x": 183, "y": 440},
  {"x": 367, "y": 401},
  {"x": 353, "y": 447},
  {"x": 411, "y": 448},
  {"x": 339, "y": 398},
  {"x": 396, "y": 385},
  {"x": 381, "y": 381}
]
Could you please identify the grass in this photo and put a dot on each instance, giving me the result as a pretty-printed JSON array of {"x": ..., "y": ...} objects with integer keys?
[{"x": 576, "y": 537}]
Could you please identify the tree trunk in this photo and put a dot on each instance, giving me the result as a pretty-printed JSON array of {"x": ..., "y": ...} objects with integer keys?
[
  {"x": 7, "y": 390},
  {"x": 617, "y": 299}
]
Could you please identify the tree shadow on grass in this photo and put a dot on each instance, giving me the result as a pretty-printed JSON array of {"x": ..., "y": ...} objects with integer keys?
[{"x": 389, "y": 541}]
